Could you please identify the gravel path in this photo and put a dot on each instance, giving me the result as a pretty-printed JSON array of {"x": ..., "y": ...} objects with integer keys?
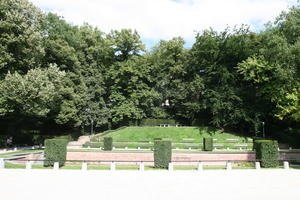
[{"x": 149, "y": 185}]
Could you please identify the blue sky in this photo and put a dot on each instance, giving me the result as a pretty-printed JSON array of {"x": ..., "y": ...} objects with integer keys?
[{"x": 164, "y": 19}]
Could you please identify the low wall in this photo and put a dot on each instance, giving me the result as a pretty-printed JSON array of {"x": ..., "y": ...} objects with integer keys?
[
  {"x": 176, "y": 156},
  {"x": 183, "y": 158}
]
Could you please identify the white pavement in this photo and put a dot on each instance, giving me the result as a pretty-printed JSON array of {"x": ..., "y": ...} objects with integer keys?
[{"x": 155, "y": 185}]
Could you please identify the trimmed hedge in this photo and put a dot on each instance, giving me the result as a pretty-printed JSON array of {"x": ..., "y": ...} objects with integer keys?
[
  {"x": 267, "y": 152},
  {"x": 156, "y": 122},
  {"x": 208, "y": 144},
  {"x": 162, "y": 153},
  {"x": 108, "y": 143},
  {"x": 55, "y": 151}
]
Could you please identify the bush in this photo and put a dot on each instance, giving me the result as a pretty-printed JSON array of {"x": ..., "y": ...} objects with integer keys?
[
  {"x": 107, "y": 143},
  {"x": 162, "y": 153},
  {"x": 3, "y": 141},
  {"x": 55, "y": 151},
  {"x": 156, "y": 122},
  {"x": 208, "y": 144},
  {"x": 267, "y": 152}
]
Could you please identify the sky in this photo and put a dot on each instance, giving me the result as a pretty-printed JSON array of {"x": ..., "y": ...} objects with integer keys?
[{"x": 164, "y": 19}]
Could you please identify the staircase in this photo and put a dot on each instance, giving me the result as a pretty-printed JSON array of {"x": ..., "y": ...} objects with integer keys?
[{"x": 78, "y": 144}]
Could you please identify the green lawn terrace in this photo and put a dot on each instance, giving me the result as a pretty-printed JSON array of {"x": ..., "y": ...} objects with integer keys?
[{"x": 181, "y": 137}]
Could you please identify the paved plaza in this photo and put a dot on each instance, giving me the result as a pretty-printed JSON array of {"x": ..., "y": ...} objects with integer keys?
[{"x": 262, "y": 184}]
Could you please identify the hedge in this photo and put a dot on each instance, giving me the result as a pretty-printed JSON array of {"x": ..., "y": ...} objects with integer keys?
[
  {"x": 162, "y": 153},
  {"x": 107, "y": 143},
  {"x": 207, "y": 144},
  {"x": 156, "y": 122},
  {"x": 267, "y": 152},
  {"x": 55, "y": 151}
]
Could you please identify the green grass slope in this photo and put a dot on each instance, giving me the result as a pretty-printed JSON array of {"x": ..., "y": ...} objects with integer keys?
[{"x": 176, "y": 134}]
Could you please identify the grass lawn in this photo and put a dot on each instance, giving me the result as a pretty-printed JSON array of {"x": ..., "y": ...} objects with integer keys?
[
  {"x": 9, "y": 165},
  {"x": 176, "y": 134},
  {"x": 181, "y": 137},
  {"x": 98, "y": 167},
  {"x": 127, "y": 167}
]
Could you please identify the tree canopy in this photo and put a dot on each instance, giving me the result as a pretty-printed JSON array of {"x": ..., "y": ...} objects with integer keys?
[{"x": 55, "y": 76}]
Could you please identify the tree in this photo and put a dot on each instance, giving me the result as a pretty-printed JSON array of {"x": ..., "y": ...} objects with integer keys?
[
  {"x": 214, "y": 58},
  {"x": 20, "y": 36},
  {"x": 126, "y": 43},
  {"x": 130, "y": 94},
  {"x": 35, "y": 93},
  {"x": 95, "y": 56}
]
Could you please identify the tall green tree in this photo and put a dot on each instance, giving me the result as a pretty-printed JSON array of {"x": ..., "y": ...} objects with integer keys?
[
  {"x": 126, "y": 43},
  {"x": 21, "y": 46}
]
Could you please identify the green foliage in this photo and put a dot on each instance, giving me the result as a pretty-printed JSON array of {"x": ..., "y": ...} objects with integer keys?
[
  {"x": 20, "y": 36},
  {"x": 162, "y": 153},
  {"x": 267, "y": 152},
  {"x": 127, "y": 43},
  {"x": 35, "y": 93},
  {"x": 208, "y": 144},
  {"x": 108, "y": 143},
  {"x": 255, "y": 69},
  {"x": 230, "y": 79},
  {"x": 55, "y": 151}
]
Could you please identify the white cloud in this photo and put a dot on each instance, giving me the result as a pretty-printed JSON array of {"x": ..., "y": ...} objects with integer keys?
[{"x": 164, "y": 19}]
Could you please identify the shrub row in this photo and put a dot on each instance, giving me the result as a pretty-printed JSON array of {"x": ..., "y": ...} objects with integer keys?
[
  {"x": 162, "y": 153},
  {"x": 55, "y": 151},
  {"x": 156, "y": 122},
  {"x": 267, "y": 152}
]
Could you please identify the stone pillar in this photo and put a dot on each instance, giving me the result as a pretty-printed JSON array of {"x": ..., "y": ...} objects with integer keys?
[
  {"x": 228, "y": 166},
  {"x": 257, "y": 165},
  {"x": 171, "y": 167},
  {"x": 2, "y": 163},
  {"x": 28, "y": 165},
  {"x": 141, "y": 166},
  {"x": 200, "y": 166},
  {"x": 56, "y": 166},
  {"x": 286, "y": 165},
  {"x": 112, "y": 166},
  {"x": 84, "y": 166}
]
